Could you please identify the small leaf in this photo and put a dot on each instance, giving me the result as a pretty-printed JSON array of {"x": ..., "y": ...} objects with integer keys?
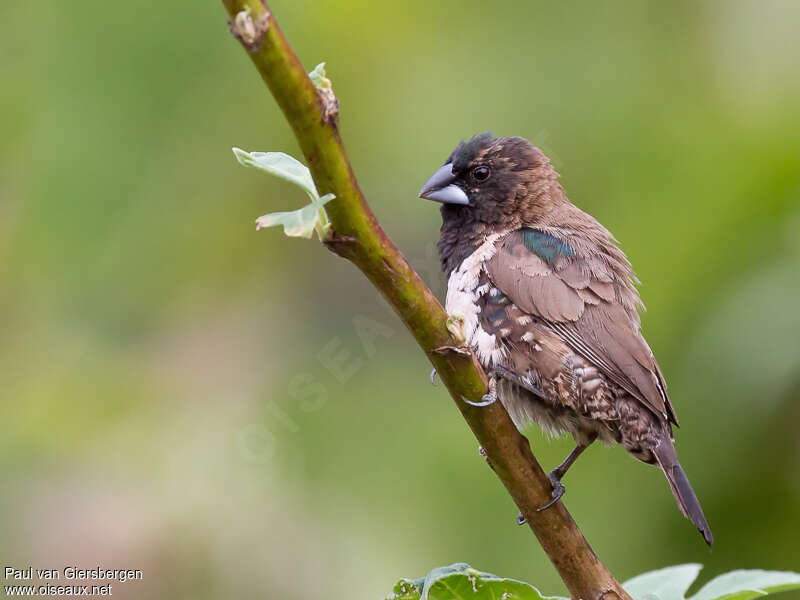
[
  {"x": 302, "y": 222},
  {"x": 296, "y": 223},
  {"x": 746, "y": 584},
  {"x": 462, "y": 582},
  {"x": 319, "y": 79},
  {"x": 281, "y": 165},
  {"x": 670, "y": 583}
]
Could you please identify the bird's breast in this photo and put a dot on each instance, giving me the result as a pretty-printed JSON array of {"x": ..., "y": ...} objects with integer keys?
[{"x": 465, "y": 287}]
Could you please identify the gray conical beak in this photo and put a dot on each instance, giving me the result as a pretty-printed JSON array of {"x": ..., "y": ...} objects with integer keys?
[{"x": 441, "y": 188}]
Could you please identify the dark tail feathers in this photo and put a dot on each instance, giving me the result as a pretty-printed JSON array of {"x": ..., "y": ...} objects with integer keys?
[{"x": 682, "y": 489}]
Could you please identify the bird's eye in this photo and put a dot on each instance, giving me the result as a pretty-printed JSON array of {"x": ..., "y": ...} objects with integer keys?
[{"x": 480, "y": 173}]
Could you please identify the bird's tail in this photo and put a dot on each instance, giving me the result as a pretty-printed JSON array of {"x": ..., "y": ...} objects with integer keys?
[{"x": 681, "y": 488}]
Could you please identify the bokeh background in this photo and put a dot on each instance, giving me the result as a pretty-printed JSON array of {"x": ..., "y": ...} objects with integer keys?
[{"x": 188, "y": 397}]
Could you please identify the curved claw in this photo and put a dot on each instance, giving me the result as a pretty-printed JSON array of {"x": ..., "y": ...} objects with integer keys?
[
  {"x": 558, "y": 491},
  {"x": 433, "y": 377},
  {"x": 487, "y": 400},
  {"x": 521, "y": 520}
]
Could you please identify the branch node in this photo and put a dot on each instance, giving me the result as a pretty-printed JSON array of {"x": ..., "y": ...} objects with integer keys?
[
  {"x": 340, "y": 244},
  {"x": 328, "y": 100},
  {"x": 388, "y": 265},
  {"x": 460, "y": 350},
  {"x": 330, "y": 107},
  {"x": 609, "y": 595},
  {"x": 488, "y": 460},
  {"x": 249, "y": 33}
]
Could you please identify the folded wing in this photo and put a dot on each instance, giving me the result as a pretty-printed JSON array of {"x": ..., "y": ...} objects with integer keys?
[{"x": 580, "y": 297}]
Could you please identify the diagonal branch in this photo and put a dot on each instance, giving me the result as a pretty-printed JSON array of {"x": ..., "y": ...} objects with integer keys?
[{"x": 313, "y": 115}]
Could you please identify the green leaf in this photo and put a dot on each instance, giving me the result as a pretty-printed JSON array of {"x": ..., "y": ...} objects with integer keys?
[
  {"x": 462, "y": 582},
  {"x": 670, "y": 583},
  {"x": 296, "y": 223},
  {"x": 319, "y": 79},
  {"x": 281, "y": 165},
  {"x": 746, "y": 584},
  {"x": 302, "y": 222}
]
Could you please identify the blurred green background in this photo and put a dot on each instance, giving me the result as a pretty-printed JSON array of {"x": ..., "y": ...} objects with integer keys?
[{"x": 169, "y": 398}]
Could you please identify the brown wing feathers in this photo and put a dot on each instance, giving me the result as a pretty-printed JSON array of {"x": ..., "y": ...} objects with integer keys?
[{"x": 588, "y": 300}]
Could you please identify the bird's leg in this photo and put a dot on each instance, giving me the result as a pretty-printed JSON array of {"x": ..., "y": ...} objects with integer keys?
[
  {"x": 554, "y": 477},
  {"x": 556, "y": 474}
]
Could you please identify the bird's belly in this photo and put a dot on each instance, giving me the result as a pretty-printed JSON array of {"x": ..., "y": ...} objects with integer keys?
[
  {"x": 525, "y": 408},
  {"x": 554, "y": 416}
]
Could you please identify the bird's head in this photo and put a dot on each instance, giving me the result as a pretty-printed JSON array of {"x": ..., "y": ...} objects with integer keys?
[{"x": 497, "y": 182}]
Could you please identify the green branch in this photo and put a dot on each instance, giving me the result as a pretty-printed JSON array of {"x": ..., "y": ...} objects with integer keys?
[{"x": 355, "y": 235}]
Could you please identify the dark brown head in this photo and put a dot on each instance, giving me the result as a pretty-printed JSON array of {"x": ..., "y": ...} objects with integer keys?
[
  {"x": 492, "y": 179},
  {"x": 489, "y": 185}
]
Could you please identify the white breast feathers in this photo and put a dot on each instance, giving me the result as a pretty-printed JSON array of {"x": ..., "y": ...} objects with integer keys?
[{"x": 463, "y": 291}]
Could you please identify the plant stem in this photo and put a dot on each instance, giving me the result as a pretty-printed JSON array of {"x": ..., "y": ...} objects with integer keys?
[{"x": 356, "y": 235}]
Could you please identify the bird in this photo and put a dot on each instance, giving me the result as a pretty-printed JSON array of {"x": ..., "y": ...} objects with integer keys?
[{"x": 547, "y": 300}]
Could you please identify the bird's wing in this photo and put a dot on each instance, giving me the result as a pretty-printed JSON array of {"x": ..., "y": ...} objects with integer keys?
[{"x": 578, "y": 297}]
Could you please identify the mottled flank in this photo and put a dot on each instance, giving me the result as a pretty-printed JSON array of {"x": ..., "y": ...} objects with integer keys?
[{"x": 549, "y": 303}]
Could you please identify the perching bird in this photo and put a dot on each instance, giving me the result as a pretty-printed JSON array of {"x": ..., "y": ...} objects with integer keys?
[{"x": 546, "y": 299}]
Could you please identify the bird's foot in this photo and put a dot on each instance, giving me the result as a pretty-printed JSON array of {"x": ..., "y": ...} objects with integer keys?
[
  {"x": 433, "y": 376},
  {"x": 558, "y": 489},
  {"x": 521, "y": 520},
  {"x": 491, "y": 396},
  {"x": 488, "y": 398}
]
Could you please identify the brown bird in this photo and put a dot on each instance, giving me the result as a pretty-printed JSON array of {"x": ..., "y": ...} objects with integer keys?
[{"x": 543, "y": 294}]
